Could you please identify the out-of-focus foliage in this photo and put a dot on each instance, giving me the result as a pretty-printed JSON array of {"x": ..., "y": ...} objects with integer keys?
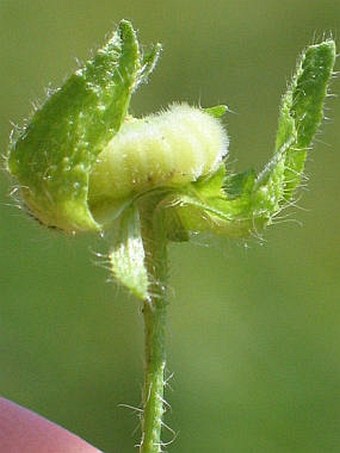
[{"x": 253, "y": 334}]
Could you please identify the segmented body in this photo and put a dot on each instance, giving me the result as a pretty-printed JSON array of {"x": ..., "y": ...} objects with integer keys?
[{"x": 172, "y": 148}]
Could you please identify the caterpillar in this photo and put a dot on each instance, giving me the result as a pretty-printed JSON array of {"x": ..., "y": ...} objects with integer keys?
[{"x": 171, "y": 148}]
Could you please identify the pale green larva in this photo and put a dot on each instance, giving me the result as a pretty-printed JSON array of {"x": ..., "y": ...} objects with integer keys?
[{"x": 170, "y": 149}]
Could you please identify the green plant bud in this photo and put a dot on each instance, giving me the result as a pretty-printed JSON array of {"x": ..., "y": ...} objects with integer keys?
[
  {"x": 82, "y": 160},
  {"x": 171, "y": 149}
]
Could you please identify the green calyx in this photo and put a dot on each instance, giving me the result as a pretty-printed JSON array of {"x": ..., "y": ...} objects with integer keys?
[{"x": 84, "y": 164}]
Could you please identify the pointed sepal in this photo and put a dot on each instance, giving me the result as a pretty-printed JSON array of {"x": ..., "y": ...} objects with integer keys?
[{"x": 127, "y": 258}]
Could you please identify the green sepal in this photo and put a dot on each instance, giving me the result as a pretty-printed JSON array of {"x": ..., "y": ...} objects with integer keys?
[
  {"x": 149, "y": 62},
  {"x": 52, "y": 157},
  {"x": 218, "y": 111},
  {"x": 239, "y": 184},
  {"x": 212, "y": 215},
  {"x": 211, "y": 185},
  {"x": 205, "y": 207},
  {"x": 300, "y": 116},
  {"x": 127, "y": 254}
]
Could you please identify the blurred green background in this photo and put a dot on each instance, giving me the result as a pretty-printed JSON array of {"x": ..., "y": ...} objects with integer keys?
[{"x": 253, "y": 336}]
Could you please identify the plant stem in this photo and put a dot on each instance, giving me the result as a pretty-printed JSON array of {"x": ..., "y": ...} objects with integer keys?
[{"x": 154, "y": 311}]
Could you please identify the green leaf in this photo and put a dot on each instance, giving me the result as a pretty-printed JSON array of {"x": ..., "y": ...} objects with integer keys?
[{"x": 127, "y": 255}]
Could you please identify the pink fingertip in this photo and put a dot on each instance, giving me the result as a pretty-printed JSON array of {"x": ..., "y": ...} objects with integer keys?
[{"x": 23, "y": 431}]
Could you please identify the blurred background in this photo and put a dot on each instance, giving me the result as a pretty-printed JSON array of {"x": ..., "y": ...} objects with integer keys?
[{"x": 253, "y": 335}]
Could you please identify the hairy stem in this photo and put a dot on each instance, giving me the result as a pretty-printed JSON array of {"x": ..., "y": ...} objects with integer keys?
[{"x": 154, "y": 311}]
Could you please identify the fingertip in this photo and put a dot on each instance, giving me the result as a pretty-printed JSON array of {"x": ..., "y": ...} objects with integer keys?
[{"x": 23, "y": 431}]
